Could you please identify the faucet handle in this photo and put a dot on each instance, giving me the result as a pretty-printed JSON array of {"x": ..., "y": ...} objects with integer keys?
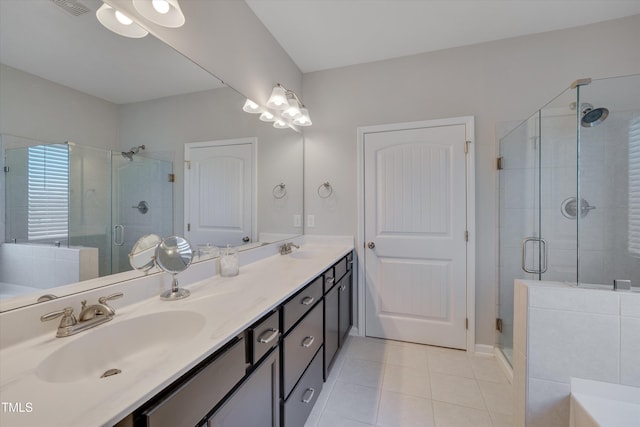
[
  {"x": 103, "y": 300},
  {"x": 68, "y": 318}
]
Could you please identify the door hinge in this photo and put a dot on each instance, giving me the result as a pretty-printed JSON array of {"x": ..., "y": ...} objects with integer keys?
[
  {"x": 188, "y": 162},
  {"x": 466, "y": 235},
  {"x": 466, "y": 147},
  {"x": 189, "y": 227},
  {"x": 499, "y": 163},
  {"x": 6, "y": 169},
  {"x": 499, "y": 324},
  {"x": 172, "y": 177},
  {"x": 466, "y": 323}
]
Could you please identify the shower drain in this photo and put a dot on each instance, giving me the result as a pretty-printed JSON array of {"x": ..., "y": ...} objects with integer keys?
[{"x": 110, "y": 372}]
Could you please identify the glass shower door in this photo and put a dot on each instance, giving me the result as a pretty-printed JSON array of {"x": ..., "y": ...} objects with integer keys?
[
  {"x": 142, "y": 203},
  {"x": 519, "y": 219}
]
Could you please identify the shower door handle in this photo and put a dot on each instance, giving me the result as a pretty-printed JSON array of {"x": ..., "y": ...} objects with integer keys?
[
  {"x": 543, "y": 255},
  {"x": 116, "y": 241}
]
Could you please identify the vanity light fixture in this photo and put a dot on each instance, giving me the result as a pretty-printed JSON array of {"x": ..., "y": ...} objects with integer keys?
[
  {"x": 251, "y": 107},
  {"x": 287, "y": 100},
  {"x": 278, "y": 98},
  {"x": 267, "y": 116},
  {"x": 279, "y": 123},
  {"x": 162, "y": 12},
  {"x": 119, "y": 23}
]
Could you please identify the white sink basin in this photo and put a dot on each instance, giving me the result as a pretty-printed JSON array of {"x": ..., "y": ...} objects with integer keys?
[{"x": 123, "y": 346}]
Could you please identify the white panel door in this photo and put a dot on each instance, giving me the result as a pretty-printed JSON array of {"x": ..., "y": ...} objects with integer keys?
[
  {"x": 415, "y": 222},
  {"x": 220, "y": 193}
]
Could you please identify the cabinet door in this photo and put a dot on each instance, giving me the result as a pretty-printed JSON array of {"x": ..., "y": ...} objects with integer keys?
[
  {"x": 256, "y": 402},
  {"x": 331, "y": 326},
  {"x": 346, "y": 298}
]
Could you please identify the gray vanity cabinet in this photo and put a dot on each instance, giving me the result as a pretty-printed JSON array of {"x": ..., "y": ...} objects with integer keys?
[
  {"x": 346, "y": 307},
  {"x": 338, "y": 316},
  {"x": 256, "y": 402}
]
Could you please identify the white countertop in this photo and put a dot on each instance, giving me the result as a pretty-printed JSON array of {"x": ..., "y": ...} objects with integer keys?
[{"x": 229, "y": 306}]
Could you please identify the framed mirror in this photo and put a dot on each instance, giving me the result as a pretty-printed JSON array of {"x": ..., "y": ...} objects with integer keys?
[{"x": 66, "y": 80}]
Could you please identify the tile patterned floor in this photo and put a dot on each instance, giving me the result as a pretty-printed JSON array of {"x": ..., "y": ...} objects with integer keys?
[{"x": 393, "y": 384}]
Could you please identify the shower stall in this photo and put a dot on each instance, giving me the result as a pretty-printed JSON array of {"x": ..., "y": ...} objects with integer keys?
[
  {"x": 569, "y": 193},
  {"x": 63, "y": 196}
]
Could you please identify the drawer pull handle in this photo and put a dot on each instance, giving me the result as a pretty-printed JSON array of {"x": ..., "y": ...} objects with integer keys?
[
  {"x": 330, "y": 280},
  {"x": 268, "y": 336},
  {"x": 308, "y": 395},
  {"x": 308, "y": 300},
  {"x": 308, "y": 341}
]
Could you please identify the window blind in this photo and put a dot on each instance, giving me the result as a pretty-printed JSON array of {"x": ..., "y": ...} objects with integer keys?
[
  {"x": 634, "y": 187},
  {"x": 48, "y": 188}
]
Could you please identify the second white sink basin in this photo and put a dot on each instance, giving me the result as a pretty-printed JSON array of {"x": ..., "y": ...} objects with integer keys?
[{"x": 120, "y": 346}]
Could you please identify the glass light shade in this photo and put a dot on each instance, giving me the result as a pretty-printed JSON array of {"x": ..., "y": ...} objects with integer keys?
[
  {"x": 303, "y": 119},
  {"x": 267, "y": 116},
  {"x": 251, "y": 107},
  {"x": 280, "y": 124},
  {"x": 107, "y": 17},
  {"x": 293, "y": 110},
  {"x": 152, "y": 10},
  {"x": 278, "y": 98}
]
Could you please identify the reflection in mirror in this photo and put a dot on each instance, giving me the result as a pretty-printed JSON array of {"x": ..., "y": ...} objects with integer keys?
[
  {"x": 173, "y": 255},
  {"x": 108, "y": 94},
  {"x": 142, "y": 256}
]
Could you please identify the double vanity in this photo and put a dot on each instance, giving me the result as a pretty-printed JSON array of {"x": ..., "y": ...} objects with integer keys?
[{"x": 249, "y": 350}]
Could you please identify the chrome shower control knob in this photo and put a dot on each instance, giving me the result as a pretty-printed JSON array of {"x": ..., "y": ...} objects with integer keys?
[{"x": 371, "y": 245}]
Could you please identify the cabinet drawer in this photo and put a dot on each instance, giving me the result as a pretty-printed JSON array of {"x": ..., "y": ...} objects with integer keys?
[
  {"x": 301, "y": 303},
  {"x": 304, "y": 395},
  {"x": 187, "y": 404},
  {"x": 263, "y": 337},
  {"x": 340, "y": 268},
  {"x": 300, "y": 346}
]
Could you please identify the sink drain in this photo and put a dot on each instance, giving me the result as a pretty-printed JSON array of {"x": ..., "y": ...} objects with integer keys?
[{"x": 110, "y": 372}]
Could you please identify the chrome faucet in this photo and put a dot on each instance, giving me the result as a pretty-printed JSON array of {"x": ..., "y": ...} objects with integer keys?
[
  {"x": 89, "y": 317},
  {"x": 286, "y": 248}
]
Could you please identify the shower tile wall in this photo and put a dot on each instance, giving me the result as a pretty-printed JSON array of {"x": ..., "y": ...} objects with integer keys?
[{"x": 604, "y": 232}]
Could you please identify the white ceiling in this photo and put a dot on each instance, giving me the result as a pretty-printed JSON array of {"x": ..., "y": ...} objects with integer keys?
[{"x": 323, "y": 34}]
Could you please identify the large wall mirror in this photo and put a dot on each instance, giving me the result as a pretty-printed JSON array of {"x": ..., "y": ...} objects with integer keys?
[{"x": 148, "y": 141}]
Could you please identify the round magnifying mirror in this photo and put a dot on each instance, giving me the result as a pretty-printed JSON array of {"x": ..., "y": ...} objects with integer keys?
[
  {"x": 174, "y": 254},
  {"x": 142, "y": 255}
]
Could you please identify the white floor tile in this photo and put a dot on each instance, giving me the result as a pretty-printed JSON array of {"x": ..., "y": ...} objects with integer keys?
[
  {"x": 457, "y": 390},
  {"x": 401, "y": 410},
  {"x": 411, "y": 356},
  {"x": 331, "y": 419},
  {"x": 450, "y": 362},
  {"x": 448, "y": 415},
  {"x": 366, "y": 349},
  {"x": 486, "y": 368},
  {"x": 354, "y": 401},
  {"x": 498, "y": 397},
  {"x": 502, "y": 420},
  {"x": 362, "y": 372},
  {"x": 411, "y": 381}
]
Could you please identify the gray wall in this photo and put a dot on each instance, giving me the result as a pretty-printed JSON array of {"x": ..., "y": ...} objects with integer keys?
[{"x": 495, "y": 82}]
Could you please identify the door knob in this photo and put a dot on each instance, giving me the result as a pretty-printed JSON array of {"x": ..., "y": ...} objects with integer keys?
[
  {"x": 246, "y": 239},
  {"x": 371, "y": 245}
]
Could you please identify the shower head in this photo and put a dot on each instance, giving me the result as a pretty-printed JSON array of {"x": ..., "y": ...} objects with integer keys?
[
  {"x": 592, "y": 116},
  {"x": 135, "y": 150}
]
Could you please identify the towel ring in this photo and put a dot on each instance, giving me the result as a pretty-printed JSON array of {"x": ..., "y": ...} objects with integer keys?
[
  {"x": 328, "y": 190},
  {"x": 279, "y": 191}
]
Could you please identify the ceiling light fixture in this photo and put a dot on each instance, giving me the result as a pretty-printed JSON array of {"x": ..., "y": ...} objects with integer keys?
[
  {"x": 162, "y": 12},
  {"x": 267, "y": 116},
  {"x": 119, "y": 23}
]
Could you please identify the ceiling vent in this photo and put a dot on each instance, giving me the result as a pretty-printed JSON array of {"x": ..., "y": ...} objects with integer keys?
[{"x": 73, "y": 7}]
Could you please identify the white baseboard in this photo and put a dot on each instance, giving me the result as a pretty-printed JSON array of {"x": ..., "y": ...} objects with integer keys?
[
  {"x": 484, "y": 349},
  {"x": 504, "y": 364}
]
